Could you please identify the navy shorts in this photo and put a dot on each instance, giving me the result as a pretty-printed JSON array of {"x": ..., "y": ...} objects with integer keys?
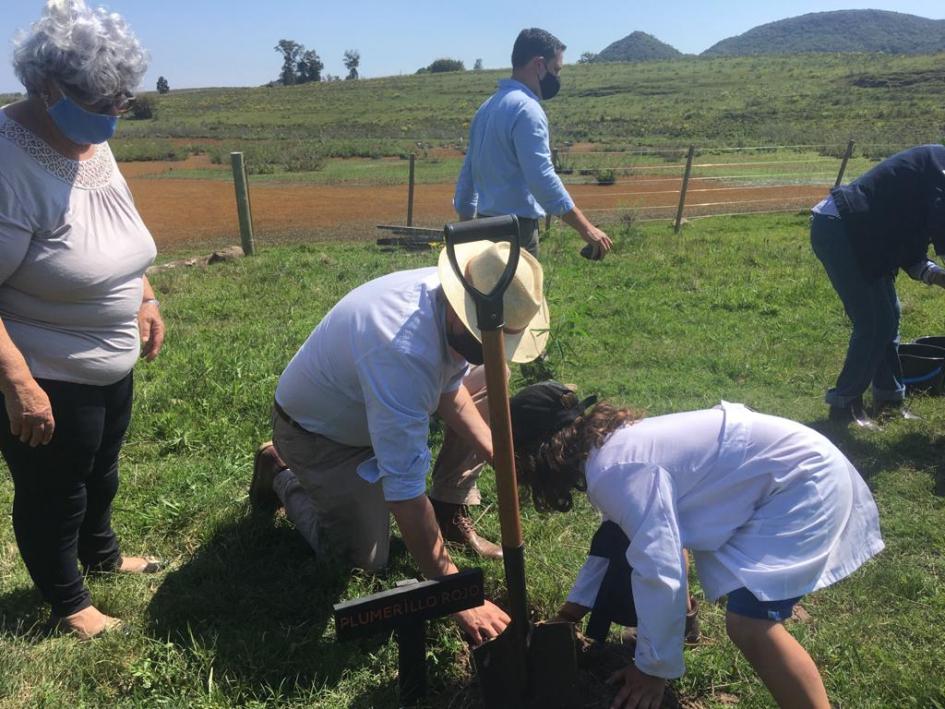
[{"x": 743, "y": 602}]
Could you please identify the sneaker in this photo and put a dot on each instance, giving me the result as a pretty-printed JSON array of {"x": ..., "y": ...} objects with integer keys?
[
  {"x": 267, "y": 464},
  {"x": 889, "y": 410},
  {"x": 853, "y": 413}
]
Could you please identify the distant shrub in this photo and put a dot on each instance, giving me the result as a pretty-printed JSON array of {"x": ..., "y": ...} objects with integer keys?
[
  {"x": 605, "y": 177},
  {"x": 142, "y": 109},
  {"x": 440, "y": 66}
]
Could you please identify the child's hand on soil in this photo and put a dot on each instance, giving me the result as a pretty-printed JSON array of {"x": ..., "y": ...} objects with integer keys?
[{"x": 639, "y": 690}]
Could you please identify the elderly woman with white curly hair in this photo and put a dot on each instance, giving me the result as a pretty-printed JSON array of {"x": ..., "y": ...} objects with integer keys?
[{"x": 76, "y": 309}]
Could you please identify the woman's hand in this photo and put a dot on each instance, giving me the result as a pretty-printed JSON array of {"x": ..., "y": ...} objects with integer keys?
[
  {"x": 151, "y": 327},
  {"x": 639, "y": 690},
  {"x": 30, "y": 413}
]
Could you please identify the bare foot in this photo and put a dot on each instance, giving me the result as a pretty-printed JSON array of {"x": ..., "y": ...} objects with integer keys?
[
  {"x": 87, "y": 623},
  {"x": 139, "y": 565}
]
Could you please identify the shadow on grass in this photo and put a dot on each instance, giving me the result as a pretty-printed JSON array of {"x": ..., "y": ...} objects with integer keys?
[
  {"x": 23, "y": 614},
  {"x": 923, "y": 450},
  {"x": 256, "y": 597}
]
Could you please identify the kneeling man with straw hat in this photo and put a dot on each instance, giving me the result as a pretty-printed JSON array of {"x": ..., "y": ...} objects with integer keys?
[{"x": 352, "y": 412}]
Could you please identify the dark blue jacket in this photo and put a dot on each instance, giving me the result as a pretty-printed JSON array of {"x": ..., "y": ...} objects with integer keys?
[{"x": 893, "y": 211}]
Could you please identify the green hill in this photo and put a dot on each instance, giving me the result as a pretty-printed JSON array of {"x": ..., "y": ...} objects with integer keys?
[
  {"x": 637, "y": 47},
  {"x": 839, "y": 31},
  {"x": 729, "y": 101}
]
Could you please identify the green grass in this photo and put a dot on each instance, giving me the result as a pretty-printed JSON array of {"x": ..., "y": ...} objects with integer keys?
[
  {"x": 735, "y": 308},
  {"x": 339, "y": 171},
  {"x": 773, "y": 100},
  {"x": 147, "y": 149}
]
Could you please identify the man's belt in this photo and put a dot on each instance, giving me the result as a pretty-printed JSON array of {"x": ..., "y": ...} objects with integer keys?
[{"x": 285, "y": 417}]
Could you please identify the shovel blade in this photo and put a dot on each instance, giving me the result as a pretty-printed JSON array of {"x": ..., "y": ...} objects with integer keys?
[
  {"x": 500, "y": 668},
  {"x": 552, "y": 666},
  {"x": 546, "y": 677}
]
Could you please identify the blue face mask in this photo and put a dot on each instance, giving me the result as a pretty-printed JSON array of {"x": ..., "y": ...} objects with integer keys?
[{"x": 80, "y": 126}]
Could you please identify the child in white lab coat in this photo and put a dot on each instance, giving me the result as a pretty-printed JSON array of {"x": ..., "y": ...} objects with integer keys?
[{"x": 769, "y": 510}]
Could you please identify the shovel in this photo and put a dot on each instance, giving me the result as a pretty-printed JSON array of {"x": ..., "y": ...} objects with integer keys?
[{"x": 527, "y": 664}]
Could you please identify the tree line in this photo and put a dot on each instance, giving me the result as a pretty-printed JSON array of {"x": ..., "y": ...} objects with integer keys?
[{"x": 302, "y": 66}]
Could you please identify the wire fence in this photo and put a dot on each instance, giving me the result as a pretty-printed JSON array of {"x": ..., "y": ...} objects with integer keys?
[
  {"x": 661, "y": 183},
  {"x": 671, "y": 183}
]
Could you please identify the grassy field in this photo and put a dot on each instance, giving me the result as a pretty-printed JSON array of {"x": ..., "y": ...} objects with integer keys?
[
  {"x": 735, "y": 110},
  {"x": 737, "y": 308},
  {"x": 822, "y": 99}
]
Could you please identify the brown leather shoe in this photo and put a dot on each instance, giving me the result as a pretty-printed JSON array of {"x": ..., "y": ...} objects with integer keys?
[
  {"x": 458, "y": 527},
  {"x": 266, "y": 466}
]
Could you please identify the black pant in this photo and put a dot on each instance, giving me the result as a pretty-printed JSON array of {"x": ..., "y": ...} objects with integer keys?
[
  {"x": 63, "y": 491},
  {"x": 528, "y": 235}
]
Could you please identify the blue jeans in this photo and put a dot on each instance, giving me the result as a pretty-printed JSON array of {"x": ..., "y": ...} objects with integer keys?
[
  {"x": 873, "y": 307},
  {"x": 743, "y": 602}
]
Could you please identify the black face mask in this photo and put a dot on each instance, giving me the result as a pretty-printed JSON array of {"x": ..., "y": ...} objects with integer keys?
[
  {"x": 467, "y": 345},
  {"x": 550, "y": 85}
]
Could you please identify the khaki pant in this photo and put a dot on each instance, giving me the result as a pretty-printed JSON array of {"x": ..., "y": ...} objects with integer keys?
[{"x": 334, "y": 508}]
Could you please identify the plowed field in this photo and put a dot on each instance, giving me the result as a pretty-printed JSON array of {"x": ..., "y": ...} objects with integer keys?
[{"x": 184, "y": 212}]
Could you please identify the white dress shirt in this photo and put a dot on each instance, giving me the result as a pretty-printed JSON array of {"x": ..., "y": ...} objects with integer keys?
[
  {"x": 372, "y": 373},
  {"x": 761, "y": 502}
]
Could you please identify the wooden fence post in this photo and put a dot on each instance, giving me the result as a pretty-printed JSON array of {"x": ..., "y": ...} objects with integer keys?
[
  {"x": 410, "y": 180},
  {"x": 242, "y": 203},
  {"x": 682, "y": 192},
  {"x": 843, "y": 165}
]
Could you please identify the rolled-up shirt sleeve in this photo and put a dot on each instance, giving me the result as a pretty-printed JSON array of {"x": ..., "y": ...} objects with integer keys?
[
  {"x": 533, "y": 151},
  {"x": 465, "y": 199},
  {"x": 641, "y": 499},
  {"x": 399, "y": 395},
  {"x": 15, "y": 231}
]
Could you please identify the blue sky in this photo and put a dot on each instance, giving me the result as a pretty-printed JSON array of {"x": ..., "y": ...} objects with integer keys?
[{"x": 230, "y": 42}]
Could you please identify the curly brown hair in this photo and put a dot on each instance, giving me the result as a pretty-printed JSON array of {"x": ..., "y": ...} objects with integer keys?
[{"x": 555, "y": 467}]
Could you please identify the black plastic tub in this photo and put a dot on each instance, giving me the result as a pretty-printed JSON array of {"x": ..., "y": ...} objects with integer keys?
[
  {"x": 933, "y": 340},
  {"x": 923, "y": 366}
]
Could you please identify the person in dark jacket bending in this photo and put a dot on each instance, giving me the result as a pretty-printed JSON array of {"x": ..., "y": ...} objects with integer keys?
[{"x": 863, "y": 233}]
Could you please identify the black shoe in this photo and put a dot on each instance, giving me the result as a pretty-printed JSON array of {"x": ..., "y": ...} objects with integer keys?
[
  {"x": 889, "y": 410},
  {"x": 853, "y": 413}
]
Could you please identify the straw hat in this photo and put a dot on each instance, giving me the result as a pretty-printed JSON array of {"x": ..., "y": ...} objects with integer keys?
[{"x": 524, "y": 305}]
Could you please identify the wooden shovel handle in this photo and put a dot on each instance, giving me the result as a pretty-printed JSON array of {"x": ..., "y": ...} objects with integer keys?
[{"x": 503, "y": 452}]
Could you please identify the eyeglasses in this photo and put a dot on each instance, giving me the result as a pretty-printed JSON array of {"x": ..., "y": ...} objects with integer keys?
[{"x": 120, "y": 104}]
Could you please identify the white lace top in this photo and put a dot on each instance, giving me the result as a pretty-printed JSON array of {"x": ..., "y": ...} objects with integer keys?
[{"x": 73, "y": 250}]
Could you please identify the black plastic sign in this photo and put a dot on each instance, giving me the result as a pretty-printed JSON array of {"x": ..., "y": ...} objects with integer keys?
[{"x": 424, "y": 600}]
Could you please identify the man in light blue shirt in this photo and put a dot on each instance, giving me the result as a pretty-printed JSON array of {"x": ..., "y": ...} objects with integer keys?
[{"x": 508, "y": 167}]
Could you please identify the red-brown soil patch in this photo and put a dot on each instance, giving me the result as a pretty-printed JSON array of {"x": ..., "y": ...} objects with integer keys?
[{"x": 184, "y": 212}]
